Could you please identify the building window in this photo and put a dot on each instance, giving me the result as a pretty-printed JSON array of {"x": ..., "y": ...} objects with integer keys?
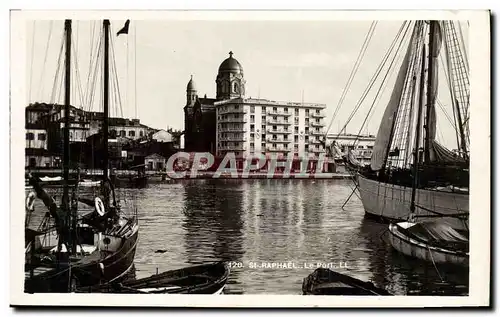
[
  {"x": 286, "y": 110},
  {"x": 307, "y": 138},
  {"x": 275, "y": 118},
  {"x": 274, "y": 128},
  {"x": 122, "y": 133},
  {"x": 307, "y": 120},
  {"x": 274, "y": 145},
  {"x": 296, "y": 120},
  {"x": 30, "y": 136},
  {"x": 252, "y": 145},
  {"x": 296, "y": 111},
  {"x": 131, "y": 133},
  {"x": 252, "y": 128},
  {"x": 307, "y": 112},
  {"x": 236, "y": 107},
  {"x": 275, "y": 137},
  {"x": 296, "y": 138},
  {"x": 263, "y": 108},
  {"x": 252, "y": 118},
  {"x": 296, "y": 146},
  {"x": 252, "y": 136},
  {"x": 285, "y": 137},
  {"x": 263, "y": 118},
  {"x": 264, "y": 136},
  {"x": 317, "y": 111},
  {"x": 307, "y": 129},
  {"x": 141, "y": 133},
  {"x": 275, "y": 109},
  {"x": 317, "y": 120},
  {"x": 252, "y": 109},
  {"x": 71, "y": 135},
  {"x": 263, "y": 128},
  {"x": 296, "y": 129},
  {"x": 286, "y": 119}
]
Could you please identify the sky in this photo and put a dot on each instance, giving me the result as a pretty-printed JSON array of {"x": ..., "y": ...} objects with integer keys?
[{"x": 282, "y": 60}]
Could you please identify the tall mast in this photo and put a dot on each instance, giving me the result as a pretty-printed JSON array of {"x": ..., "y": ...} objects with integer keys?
[
  {"x": 417, "y": 133},
  {"x": 106, "y": 99},
  {"x": 67, "y": 101},
  {"x": 430, "y": 71}
]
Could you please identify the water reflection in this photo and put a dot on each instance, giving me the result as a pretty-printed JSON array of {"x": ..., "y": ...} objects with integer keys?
[
  {"x": 213, "y": 224},
  {"x": 272, "y": 221}
]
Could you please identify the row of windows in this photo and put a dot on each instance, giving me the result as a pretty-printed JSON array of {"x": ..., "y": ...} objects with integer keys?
[
  {"x": 285, "y": 109},
  {"x": 131, "y": 133},
  {"x": 31, "y": 136}
]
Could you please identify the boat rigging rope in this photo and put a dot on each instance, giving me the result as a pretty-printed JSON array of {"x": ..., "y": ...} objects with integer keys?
[
  {"x": 380, "y": 89},
  {"x": 359, "y": 59},
  {"x": 113, "y": 69},
  {"x": 135, "y": 70},
  {"x": 432, "y": 258},
  {"x": 405, "y": 27},
  {"x": 32, "y": 58},
  {"x": 40, "y": 85},
  {"x": 58, "y": 71}
]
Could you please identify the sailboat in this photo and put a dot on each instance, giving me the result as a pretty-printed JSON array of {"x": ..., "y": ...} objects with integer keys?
[
  {"x": 442, "y": 190},
  {"x": 90, "y": 248}
]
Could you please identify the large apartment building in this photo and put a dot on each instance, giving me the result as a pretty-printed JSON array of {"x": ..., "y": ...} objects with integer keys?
[
  {"x": 251, "y": 126},
  {"x": 232, "y": 123}
]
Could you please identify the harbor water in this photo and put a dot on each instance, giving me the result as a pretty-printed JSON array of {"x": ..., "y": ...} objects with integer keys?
[{"x": 273, "y": 233}]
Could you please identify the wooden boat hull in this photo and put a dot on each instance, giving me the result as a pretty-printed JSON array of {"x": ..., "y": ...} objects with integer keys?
[
  {"x": 391, "y": 203},
  {"x": 327, "y": 282},
  {"x": 417, "y": 249},
  {"x": 96, "y": 270},
  {"x": 201, "y": 279}
]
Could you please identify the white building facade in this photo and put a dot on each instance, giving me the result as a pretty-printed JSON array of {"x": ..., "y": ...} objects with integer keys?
[
  {"x": 259, "y": 126},
  {"x": 361, "y": 145}
]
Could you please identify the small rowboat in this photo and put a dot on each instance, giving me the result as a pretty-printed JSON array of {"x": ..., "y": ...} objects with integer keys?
[
  {"x": 327, "y": 282},
  {"x": 433, "y": 241},
  {"x": 199, "y": 279}
]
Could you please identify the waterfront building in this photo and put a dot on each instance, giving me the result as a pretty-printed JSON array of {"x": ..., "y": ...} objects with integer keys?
[
  {"x": 361, "y": 145},
  {"x": 233, "y": 123},
  {"x": 249, "y": 126},
  {"x": 44, "y": 134}
]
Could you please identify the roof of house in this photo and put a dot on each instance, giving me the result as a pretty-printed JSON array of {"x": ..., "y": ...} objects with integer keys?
[{"x": 155, "y": 156}]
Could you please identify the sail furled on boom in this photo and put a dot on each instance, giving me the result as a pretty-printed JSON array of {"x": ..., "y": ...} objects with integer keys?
[
  {"x": 434, "y": 81},
  {"x": 384, "y": 135}
]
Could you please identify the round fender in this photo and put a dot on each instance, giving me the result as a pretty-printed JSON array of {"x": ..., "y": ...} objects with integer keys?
[{"x": 99, "y": 206}]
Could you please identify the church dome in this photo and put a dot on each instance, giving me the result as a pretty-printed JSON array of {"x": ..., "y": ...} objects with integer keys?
[
  {"x": 191, "y": 85},
  {"x": 231, "y": 65}
]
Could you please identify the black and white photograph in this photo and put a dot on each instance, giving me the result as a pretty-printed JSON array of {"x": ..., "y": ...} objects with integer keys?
[{"x": 311, "y": 158}]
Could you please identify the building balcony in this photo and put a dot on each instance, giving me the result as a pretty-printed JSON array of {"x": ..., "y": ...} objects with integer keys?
[
  {"x": 232, "y": 148},
  {"x": 314, "y": 132},
  {"x": 233, "y": 139},
  {"x": 317, "y": 124},
  {"x": 278, "y": 122},
  {"x": 229, "y": 111},
  {"x": 317, "y": 115},
  {"x": 277, "y": 149},
  {"x": 279, "y": 131},
  {"x": 233, "y": 120},
  {"x": 278, "y": 113},
  {"x": 271, "y": 140},
  {"x": 232, "y": 129},
  {"x": 314, "y": 141},
  {"x": 315, "y": 150}
]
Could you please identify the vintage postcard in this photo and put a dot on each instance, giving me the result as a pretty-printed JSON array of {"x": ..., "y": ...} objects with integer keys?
[{"x": 255, "y": 158}]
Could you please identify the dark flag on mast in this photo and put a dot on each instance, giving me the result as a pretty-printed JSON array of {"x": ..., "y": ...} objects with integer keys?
[{"x": 124, "y": 29}]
